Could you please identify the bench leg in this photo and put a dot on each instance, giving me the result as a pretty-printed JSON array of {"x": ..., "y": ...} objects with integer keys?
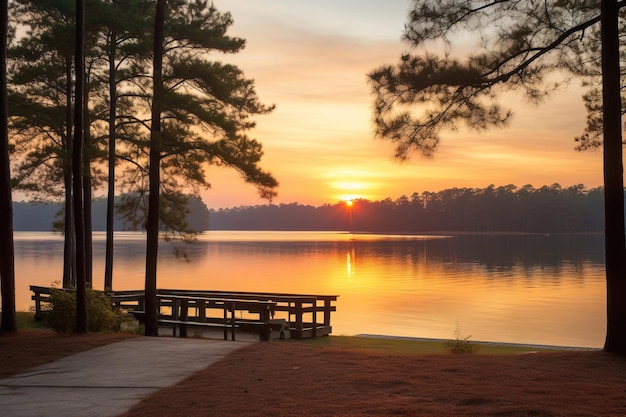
[
  {"x": 184, "y": 316},
  {"x": 225, "y": 323},
  {"x": 232, "y": 323},
  {"x": 265, "y": 332}
]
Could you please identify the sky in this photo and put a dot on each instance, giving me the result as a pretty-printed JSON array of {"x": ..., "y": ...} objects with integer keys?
[{"x": 311, "y": 59}]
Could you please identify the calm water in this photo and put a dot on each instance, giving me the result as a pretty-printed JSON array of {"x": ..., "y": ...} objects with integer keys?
[{"x": 522, "y": 289}]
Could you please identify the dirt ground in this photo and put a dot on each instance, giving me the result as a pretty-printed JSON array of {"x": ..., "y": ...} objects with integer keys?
[
  {"x": 30, "y": 348},
  {"x": 287, "y": 379},
  {"x": 290, "y": 379}
]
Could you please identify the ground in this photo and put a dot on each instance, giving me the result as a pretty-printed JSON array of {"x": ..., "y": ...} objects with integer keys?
[
  {"x": 30, "y": 348},
  {"x": 290, "y": 379},
  {"x": 283, "y": 379}
]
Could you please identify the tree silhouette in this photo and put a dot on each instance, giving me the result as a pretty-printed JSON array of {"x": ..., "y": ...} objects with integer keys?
[
  {"x": 533, "y": 39},
  {"x": 77, "y": 170},
  {"x": 8, "y": 322}
]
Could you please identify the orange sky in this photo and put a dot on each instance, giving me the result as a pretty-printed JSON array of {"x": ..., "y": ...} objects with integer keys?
[{"x": 311, "y": 60}]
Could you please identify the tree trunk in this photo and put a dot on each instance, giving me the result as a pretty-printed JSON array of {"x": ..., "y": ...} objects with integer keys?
[
  {"x": 8, "y": 323},
  {"x": 152, "y": 226},
  {"x": 69, "y": 251},
  {"x": 613, "y": 182},
  {"x": 79, "y": 219},
  {"x": 108, "y": 262},
  {"x": 87, "y": 189}
]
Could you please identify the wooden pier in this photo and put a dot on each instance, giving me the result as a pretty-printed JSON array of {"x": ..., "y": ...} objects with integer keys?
[{"x": 270, "y": 315}]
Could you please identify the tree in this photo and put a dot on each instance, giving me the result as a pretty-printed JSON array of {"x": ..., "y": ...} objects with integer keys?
[
  {"x": 207, "y": 108},
  {"x": 77, "y": 170},
  {"x": 8, "y": 322},
  {"x": 123, "y": 30},
  {"x": 152, "y": 225},
  {"x": 613, "y": 180},
  {"x": 42, "y": 91},
  {"x": 199, "y": 111},
  {"x": 41, "y": 108},
  {"x": 204, "y": 110},
  {"x": 522, "y": 44}
]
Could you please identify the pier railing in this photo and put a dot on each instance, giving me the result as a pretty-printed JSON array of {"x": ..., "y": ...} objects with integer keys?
[
  {"x": 288, "y": 315},
  {"x": 306, "y": 315}
]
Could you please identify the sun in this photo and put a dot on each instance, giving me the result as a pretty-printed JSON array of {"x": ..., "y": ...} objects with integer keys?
[
  {"x": 349, "y": 184},
  {"x": 349, "y": 199},
  {"x": 349, "y": 189}
]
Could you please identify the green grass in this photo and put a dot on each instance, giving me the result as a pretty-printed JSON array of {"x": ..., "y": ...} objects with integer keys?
[
  {"x": 26, "y": 320},
  {"x": 408, "y": 346}
]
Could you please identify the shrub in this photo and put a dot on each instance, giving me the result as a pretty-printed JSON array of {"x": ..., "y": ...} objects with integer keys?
[
  {"x": 61, "y": 315},
  {"x": 460, "y": 344},
  {"x": 100, "y": 315}
]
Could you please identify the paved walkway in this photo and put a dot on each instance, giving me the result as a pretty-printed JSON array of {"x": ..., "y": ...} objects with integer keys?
[{"x": 108, "y": 380}]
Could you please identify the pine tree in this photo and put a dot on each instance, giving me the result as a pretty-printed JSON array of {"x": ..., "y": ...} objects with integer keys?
[
  {"x": 8, "y": 323},
  {"x": 521, "y": 44}
]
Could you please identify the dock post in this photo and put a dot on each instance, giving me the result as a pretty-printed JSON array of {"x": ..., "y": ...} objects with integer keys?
[
  {"x": 233, "y": 322},
  {"x": 37, "y": 298},
  {"x": 315, "y": 318},
  {"x": 225, "y": 321},
  {"x": 327, "y": 308},
  {"x": 265, "y": 334},
  {"x": 299, "y": 323},
  {"x": 184, "y": 316}
]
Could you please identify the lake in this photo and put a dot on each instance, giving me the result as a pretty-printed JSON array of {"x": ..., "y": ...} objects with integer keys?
[{"x": 537, "y": 289}]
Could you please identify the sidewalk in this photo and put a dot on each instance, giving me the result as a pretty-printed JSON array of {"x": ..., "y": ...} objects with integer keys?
[{"x": 108, "y": 380}]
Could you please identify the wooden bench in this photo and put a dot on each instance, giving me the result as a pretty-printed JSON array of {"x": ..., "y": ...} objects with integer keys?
[
  {"x": 182, "y": 324},
  {"x": 180, "y": 318}
]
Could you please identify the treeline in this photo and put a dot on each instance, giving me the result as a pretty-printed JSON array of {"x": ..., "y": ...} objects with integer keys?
[
  {"x": 45, "y": 217},
  {"x": 549, "y": 209}
]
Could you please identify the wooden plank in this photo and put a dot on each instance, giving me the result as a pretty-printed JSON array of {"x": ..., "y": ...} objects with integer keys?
[
  {"x": 213, "y": 300},
  {"x": 196, "y": 323},
  {"x": 181, "y": 323},
  {"x": 251, "y": 295}
]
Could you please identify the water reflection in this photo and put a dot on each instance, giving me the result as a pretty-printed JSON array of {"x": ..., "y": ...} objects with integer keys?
[
  {"x": 528, "y": 289},
  {"x": 349, "y": 257}
]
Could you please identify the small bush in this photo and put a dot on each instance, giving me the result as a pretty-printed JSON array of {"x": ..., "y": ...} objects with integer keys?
[
  {"x": 100, "y": 315},
  {"x": 61, "y": 315},
  {"x": 460, "y": 344}
]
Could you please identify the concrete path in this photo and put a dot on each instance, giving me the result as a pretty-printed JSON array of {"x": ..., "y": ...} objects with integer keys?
[{"x": 108, "y": 380}]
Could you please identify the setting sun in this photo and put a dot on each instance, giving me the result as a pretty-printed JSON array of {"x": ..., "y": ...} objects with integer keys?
[{"x": 348, "y": 189}]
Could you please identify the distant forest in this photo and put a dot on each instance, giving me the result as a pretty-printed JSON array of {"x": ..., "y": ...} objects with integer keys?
[
  {"x": 549, "y": 209},
  {"x": 41, "y": 217}
]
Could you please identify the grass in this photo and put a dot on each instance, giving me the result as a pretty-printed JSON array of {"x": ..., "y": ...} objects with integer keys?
[
  {"x": 410, "y": 346},
  {"x": 26, "y": 320},
  {"x": 402, "y": 346}
]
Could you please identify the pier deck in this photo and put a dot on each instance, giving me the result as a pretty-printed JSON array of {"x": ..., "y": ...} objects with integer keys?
[{"x": 281, "y": 315}]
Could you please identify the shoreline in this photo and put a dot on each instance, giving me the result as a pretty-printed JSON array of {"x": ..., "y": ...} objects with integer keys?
[{"x": 477, "y": 342}]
